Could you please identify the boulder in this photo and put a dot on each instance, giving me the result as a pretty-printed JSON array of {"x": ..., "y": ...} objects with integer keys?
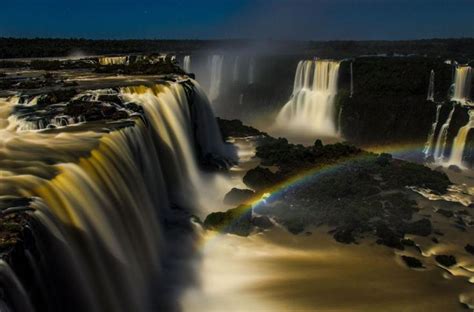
[
  {"x": 412, "y": 262},
  {"x": 238, "y": 196},
  {"x": 446, "y": 260}
]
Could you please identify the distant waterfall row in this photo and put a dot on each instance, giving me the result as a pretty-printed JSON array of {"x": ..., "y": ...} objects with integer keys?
[
  {"x": 100, "y": 198},
  {"x": 311, "y": 107}
]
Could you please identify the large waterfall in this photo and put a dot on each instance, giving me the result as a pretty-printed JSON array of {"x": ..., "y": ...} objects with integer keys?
[
  {"x": 99, "y": 198},
  {"x": 462, "y": 84},
  {"x": 311, "y": 107},
  {"x": 459, "y": 143},
  {"x": 216, "y": 62}
]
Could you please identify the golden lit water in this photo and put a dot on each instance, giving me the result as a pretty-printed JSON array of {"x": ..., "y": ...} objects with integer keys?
[{"x": 277, "y": 271}]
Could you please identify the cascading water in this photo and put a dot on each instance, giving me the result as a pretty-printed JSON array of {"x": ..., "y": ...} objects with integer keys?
[
  {"x": 311, "y": 107},
  {"x": 235, "y": 69},
  {"x": 352, "y": 81},
  {"x": 187, "y": 63},
  {"x": 180, "y": 130},
  {"x": 216, "y": 62},
  {"x": 431, "y": 87},
  {"x": 113, "y": 60},
  {"x": 462, "y": 84},
  {"x": 428, "y": 150},
  {"x": 441, "y": 142},
  {"x": 99, "y": 198},
  {"x": 459, "y": 143}
]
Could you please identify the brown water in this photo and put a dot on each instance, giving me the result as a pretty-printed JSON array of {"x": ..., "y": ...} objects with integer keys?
[{"x": 277, "y": 271}]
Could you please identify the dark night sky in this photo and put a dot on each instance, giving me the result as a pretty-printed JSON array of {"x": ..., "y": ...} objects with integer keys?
[{"x": 260, "y": 19}]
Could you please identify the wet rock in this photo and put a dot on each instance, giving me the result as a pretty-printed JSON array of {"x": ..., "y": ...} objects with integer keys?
[
  {"x": 469, "y": 248},
  {"x": 408, "y": 242},
  {"x": 260, "y": 178},
  {"x": 446, "y": 260},
  {"x": 388, "y": 237},
  {"x": 344, "y": 235},
  {"x": 235, "y": 221},
  {"x": 384, "y": 159},
  {"x": 412, "y": 262},
  {"x": 435, "y": 240},
  {"x": 455, "y": 168},
  {"x": 262, "y": 222},
  {"x": 238, "y": 196},
  {"x": 422, "y": 227},
  {"x": 235, "y": 128},
  {"x": 446, "y": 213}
]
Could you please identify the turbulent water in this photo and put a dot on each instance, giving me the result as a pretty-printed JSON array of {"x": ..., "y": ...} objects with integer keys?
[
  {"x": 462, "y": 84},
  {"x": 428, "y": 151},
  {"x": 459, "y": 143},
  {"x": 100, "y": 197},
  {"x": 311, "y": 107}
]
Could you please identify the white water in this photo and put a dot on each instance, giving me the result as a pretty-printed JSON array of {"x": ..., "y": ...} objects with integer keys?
[
  {"x": 441, "y": 142},
  {"x": 428, "y": 151},
  {"x": 352, "y": 80},
  {"x": 178, "y": 128},
  {"x": 311, "y": 108},
  {"x": 113, "y": 60},
  {"x": 431, "y": 87},
  {"x": 100, "y": 197},
  {"x": 460, "y": 143},
  {"x": 216, "y": 62},
  {"x": 187, "y": 63},
  {"x": 462, "y": 84}
]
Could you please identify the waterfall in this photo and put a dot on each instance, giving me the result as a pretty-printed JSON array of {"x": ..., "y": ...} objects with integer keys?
[
  {"x": 462, "y": 84},
  {"x": 251, "y": 72},
  {"x": 15, "y": 293},
  {"x": 441, "y": 142},
  {"x": 352, "y": 80},
  {"x": 216, "y": 76},
  {"x": 113, "y": 60},
  {"x": 311, "y": 107},
  {"x": 235, "y": 69},
  {"x": 187, "y": 63},
  {"x": 428, "y": 150},
  {"x": 431, "y": 87},
  {"x": 180, "y": 130},
  {"x": 100, "y": 198},
  {"x": 459, "y": 143}
]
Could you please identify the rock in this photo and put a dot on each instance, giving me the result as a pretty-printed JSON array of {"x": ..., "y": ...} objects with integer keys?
[
  {"x": 260, "y": 178},
  {"x": 235, "y": 221},
  {"x": 435, "y": 240},
  {"x": 318, "y": 144},
  {"x": 238, "y": 196},
  {"x": 455, "y": 168},
  {"x": 408, "y": 242},
  {"x": 446, "y": 260},
  {"x": 469, "y": 248},
  {"x": 344, "y": 235},
  {"x": 446, "y": 213},
  {"x": 421, "y": 227},
  {"x": 235, "y": 128},
  {"x": 262, "y": 222},
  {"x": 388, "y": 237},
  {"x": 384, "y": 159},
  {"x": 412, "y": 262}
]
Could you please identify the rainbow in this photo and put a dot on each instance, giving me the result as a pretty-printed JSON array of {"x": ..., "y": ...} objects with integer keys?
[{"x": 303, "y": 177}]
